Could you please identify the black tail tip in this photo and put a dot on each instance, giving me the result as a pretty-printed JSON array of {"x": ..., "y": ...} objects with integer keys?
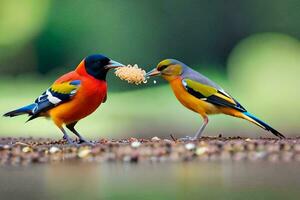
[
  {"x": 8, "y": 115},
  {"x": 281, "y": 136},
  {"x": 11, "y": 114}
]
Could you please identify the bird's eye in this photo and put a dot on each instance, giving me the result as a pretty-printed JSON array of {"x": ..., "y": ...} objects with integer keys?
[{"x": 162, "y": 67}]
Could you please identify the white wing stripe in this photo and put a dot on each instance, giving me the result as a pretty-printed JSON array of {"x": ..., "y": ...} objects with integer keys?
[{"x": 52, "y": 99}]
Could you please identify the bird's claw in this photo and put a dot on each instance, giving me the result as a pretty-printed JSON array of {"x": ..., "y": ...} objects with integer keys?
[
  {"x": 85, "y": 142},
  {"x": 69, "y": 141},
  {"x": 81, "y": 142}
]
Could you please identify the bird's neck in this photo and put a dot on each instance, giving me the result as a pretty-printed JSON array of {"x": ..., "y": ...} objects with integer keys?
[
  {"x": 170, "y": 78},
  {"x": 81, "y": 70}
]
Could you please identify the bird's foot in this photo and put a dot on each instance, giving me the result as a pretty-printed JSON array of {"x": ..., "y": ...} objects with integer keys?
[
  {"x": 69, "y": 141},
  {"x": 187, "y": 139},
  {"x": 83, "y": 141}
]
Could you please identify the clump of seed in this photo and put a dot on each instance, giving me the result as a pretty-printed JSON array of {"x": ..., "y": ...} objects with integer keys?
[{"x": 131, "y": 74}]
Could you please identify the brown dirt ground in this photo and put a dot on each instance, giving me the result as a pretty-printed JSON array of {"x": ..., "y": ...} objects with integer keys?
[{"x": 24, "y": 151}]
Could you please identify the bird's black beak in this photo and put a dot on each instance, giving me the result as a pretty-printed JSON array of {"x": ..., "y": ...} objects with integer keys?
[
  {"x": 114, "y": 64},
  {"x": 153, "y": 72}
]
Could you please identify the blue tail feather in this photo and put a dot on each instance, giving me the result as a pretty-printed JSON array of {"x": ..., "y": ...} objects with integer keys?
[
  {"x": 24, "y": 110},
  {"x": 265, "y": 125}
]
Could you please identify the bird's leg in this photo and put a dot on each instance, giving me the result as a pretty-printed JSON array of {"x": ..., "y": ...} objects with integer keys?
[
  {"x": 201, "y": 129},
  {"x": 199, "y": 132},
  {"x": 81, "y": 139},
  {"x": 66, "y": 137}
]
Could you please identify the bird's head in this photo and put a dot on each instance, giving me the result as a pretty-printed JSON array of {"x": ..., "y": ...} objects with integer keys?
[
  {"x": 98, "y": 65},
  {"x": 169, "y": 69}
]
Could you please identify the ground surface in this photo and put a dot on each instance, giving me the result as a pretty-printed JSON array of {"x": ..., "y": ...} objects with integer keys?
[{"x": 23, "y": 151}]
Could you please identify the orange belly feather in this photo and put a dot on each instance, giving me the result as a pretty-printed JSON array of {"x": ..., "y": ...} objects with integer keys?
[{"x": 88, "y": 98}]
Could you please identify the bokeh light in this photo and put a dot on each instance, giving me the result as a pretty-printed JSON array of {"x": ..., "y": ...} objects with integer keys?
[
  {"x": 265, "y": 69},
  {"x": 21, "y": 21}
]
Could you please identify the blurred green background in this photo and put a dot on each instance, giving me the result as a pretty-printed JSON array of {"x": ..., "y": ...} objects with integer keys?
[{"x": 251, "y": 48}]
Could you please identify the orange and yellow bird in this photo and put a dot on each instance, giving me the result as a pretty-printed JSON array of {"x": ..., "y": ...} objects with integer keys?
[
  {"x": 73, "y": 96},
  {"x": 201, "y": 95}
]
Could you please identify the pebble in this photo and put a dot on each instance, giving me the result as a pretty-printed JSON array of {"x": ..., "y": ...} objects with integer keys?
[
  {"x": 54, "y": 149},
  {"x": 190, "y": 146},
  {"x": 132, "y": 139},
  {"x": 27, "y": 149},
  {"x": 168, "y": 141},
  {"x": 155, "y": 139},
  {"x": 135, "y": 144},
  {"x": 21, "y": 143},
  {"x": 201, "y": 150},
  {"x": 83, "y": 152}
]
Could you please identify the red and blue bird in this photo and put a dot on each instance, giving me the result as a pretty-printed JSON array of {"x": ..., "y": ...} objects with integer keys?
[{"x": 73, "y": 96}]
